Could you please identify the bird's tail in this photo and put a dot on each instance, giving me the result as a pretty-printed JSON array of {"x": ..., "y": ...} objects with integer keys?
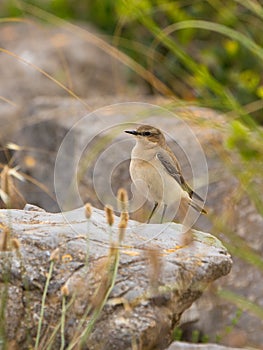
[
  {"x": 197, "y": 207},
  {"x": 194, "y": 198}
]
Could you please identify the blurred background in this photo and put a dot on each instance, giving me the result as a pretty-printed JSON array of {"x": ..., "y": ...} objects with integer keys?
[{"x": 62, "y": 59}]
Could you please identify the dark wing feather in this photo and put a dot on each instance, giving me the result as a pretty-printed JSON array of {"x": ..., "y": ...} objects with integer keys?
[
  {"x": 170, "y": 166},
  {"x": 194, "y": 195},
  {"x": 173, "y": 168}
]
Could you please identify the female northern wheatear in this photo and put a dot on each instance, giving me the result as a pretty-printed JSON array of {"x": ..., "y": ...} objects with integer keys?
[{"x": 156, "y": 173}]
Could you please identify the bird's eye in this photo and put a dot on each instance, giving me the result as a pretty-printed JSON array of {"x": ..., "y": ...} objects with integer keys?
[{"x": 146, "y": 133}]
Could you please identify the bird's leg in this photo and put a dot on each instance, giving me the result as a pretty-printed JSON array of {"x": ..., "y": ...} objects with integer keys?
[
  {"x": 153, "y": 211},
  {"x": 164, "y": 210}
]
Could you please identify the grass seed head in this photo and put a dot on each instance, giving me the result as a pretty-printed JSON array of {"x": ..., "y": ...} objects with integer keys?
[
  {"x": 65, "y": 290},
  {"x": 122, "y": 199},
  {"x": 88, "y": 210},
  {"x": 109, "y": 215},
  {"x": 15, "y": 243},
  {"x": 55, "y": 255}
]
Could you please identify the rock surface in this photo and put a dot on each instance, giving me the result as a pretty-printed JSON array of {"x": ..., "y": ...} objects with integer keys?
[
  {"x": 157, "y": 279},
  {"x": 187, "y": 346}
]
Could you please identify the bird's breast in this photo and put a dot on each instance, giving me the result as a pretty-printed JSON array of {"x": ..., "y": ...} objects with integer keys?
[{"x": 152, "y": 180}]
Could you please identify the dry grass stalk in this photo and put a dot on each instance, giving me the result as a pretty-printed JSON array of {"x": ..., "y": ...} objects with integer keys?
[
  {"x": 88, "y": 213},
  {"x": 107, "y": 269},
  {"x": 124, "y": 217},
  {"x": 106, "y": 277},
  {"x": 10, "y": 195},
  {"x": 104, "y": 290},
  {"x": 101, "y": 292},
  {"x": 54, "y": 257},
  {"x": 65, "y": 293},
  {"x": 154, "y": 258},
  {"x": 123, "y": 225},
  {"x": 4, "y": 243}
]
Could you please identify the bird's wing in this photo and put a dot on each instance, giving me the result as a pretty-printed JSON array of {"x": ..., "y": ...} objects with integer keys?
[{"x": 172, "y": 166}]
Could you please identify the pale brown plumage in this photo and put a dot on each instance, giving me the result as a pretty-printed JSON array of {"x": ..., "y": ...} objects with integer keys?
[{"x": 152, "y": 151}]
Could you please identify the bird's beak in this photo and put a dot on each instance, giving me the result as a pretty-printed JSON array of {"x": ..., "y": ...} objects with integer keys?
[{"x": 133, "y": 132}]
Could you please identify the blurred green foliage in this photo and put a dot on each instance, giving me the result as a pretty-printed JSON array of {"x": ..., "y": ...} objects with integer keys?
[
  {"x": 206, "y": 50},
  {"x": 242, "y": 139},
  {"x": 198, "y": 63}
]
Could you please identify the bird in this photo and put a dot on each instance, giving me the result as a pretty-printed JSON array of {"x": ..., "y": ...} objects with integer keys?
[{"x": 156, "y": 172}]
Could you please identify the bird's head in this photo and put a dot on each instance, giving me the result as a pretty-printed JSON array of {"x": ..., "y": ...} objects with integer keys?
[{"x": 148, "y": 134}]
